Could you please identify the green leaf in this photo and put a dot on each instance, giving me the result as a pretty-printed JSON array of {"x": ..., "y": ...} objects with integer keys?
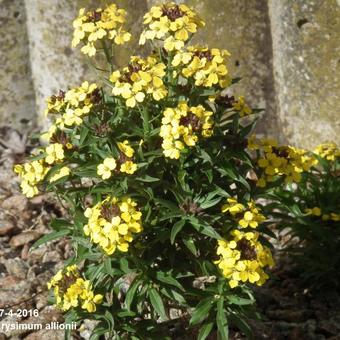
[
  {"x": 201, "y": 311},
  {"x": 173, "y": 295},
  {"x": 178, "y": 226},
  {"x": 132, "y": 292},
  {"x": 205, "y": 330},
  {"x": 189, "y": 243},
  {"x": 147, "y": 179},
  {"x": 59, "y": 224},
  {"x": 234, "y": 299},
  {"x": 205, "y": 229},
  {"x": 83, "y": 134},
  {"x": 167, "y": 278},
  {"x": 210, "y": 203},
  {"x": 50, "y": 237},
  {"x": 222, "y": 321},
  {"x": 157, "y": 303}
]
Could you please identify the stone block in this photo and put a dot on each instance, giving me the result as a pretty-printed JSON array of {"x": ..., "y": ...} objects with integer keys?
[
  {"x": 16, "y": 88},
  {"x": 306, "y": 55}
]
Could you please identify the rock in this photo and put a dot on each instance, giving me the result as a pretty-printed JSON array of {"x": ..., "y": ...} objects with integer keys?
[
  {"x": 24, "y": 238},
  {"x": 51, "y": 256},
  {"x": 14, "y": 291},
  {"x": 330, "y": 326},
  {"x": 41, "y": 300},
  {"x": 45, "y": 334},
  {"x": 16, "y": 87},
  {"x": 37, "y": 254},
  {"x": 16, "y": 267},
  {"x": 17, "y": 202},
  {"x": 306, "y": 66},
  {"x": 25, "y": 251},
  {"x": 7, "y": 228},
  {"x": 86, "y": 328},
  {"x": 290, "y": 315}
]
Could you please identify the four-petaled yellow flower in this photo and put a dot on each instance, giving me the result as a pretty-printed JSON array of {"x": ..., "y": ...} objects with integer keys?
[
  {"x": 63, "y": 172},
  {"x": 126, "y": 149},
  {"x": 55, "y": 152},
  {"x": 105, "y": 169}
]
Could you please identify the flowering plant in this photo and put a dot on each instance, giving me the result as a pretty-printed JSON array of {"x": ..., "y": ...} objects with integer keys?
[
  {"x": 154, "y": 173},
  {"x": 309, "y": 214}
]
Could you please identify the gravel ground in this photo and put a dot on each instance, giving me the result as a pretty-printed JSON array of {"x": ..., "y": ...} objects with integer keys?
[{"x": 288, "y": 310}]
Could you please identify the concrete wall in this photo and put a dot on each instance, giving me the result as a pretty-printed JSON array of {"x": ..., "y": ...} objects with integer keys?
[{"x": 286, "y": 51}]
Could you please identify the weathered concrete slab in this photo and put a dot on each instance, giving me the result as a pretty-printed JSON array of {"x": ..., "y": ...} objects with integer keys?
[
  {"x": 306, "y": 40},
  {"x": 16, "y": 87}
]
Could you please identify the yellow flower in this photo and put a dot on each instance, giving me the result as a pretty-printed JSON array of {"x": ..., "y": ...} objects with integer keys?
[
  {"x": 55, "y": 152},
  {"x": 126, "y": 149},
  {"x": 316, "y": 211},
  {"x": 128, "y": 167},
  {"x": 242, "y": 107},
  {"x": 104, "y": 170},
  {"x": 233, "y": 207},
  {"x": 63, "y": 172}
]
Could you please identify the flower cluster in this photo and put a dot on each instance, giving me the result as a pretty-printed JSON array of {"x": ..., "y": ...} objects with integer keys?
[
  {"x": 329, "y": 151},
  {"x": 243, "y": 258},
  {"x": 172, "y": 23},
  {"x": 71, "y": 290},
  {"x": 69, "y": 108},
  {"x": 207, "y": 67},
  {"x": 276, "y": 160},
  {"x": 182, "y": 126},
  {"x": 31, "y": 175},
  {"x": 123, "y": 164},
  {"x": 112, "y": 222},
  {"x": 249, "y": 216},
  {"x": 93, "y": 26},
  {"x": 241, "y": 106},
  {"x": 141, "y": 78},
  {"x": 316, "y": 211}
]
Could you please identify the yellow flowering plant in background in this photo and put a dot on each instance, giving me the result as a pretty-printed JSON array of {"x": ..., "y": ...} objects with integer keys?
[
  {"x": 309, "y": 213},
  {"x": 154, "y": 172}
]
